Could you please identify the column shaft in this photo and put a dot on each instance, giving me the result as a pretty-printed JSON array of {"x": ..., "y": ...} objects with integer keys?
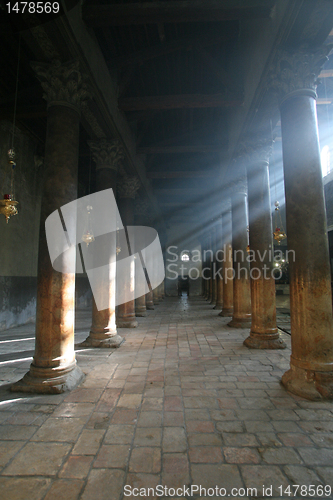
[
  {"x": 264, "y": 333},
  {"x": 227, "y": 266},
  {"x": 241, "y": 290},
  {"x": 53, "y": 368},
  {"x": 311, "y": 363}
]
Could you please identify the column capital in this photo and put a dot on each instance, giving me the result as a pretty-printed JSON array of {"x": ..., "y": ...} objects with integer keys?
[
  {"x": 107, "y": 153},
  {"x": 259, "y": 149},
  {"x": 63, "y": 83},
  {"x": 238, "y": 186},
  {"x": 296, "y": 73},
  {"x": 128, "y": 186}
]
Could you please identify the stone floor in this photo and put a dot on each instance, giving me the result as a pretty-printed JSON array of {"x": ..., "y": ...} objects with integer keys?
[{"x": 181, "y": 402}]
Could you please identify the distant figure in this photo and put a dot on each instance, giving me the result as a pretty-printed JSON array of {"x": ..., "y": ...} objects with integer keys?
[{"x": 183, "y": 284}]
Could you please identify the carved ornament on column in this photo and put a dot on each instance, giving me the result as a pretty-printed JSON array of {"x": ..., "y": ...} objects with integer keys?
[
  {"x": 63, "y": 83},
  {"x": 238, "y": 186},
  {"x": 297, "y": 71},
  {"x": 107, "y": 153},
  {"x": 128, "y": 186},
  {"x": 259, "y": 149}
]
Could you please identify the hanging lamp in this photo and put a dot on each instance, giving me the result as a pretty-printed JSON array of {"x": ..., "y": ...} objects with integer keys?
[
  {"x": 8, "y": 205},
  {"x": 279, "y": 233}
]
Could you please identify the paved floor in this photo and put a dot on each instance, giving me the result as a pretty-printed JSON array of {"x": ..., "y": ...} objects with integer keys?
[{"x": 182, "y": 402}]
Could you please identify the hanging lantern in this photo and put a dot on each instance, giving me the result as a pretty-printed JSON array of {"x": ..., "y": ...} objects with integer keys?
[
  {"x": 88, "y": 236},
  {"x": 8, "y": 203},
  {"x": 279, "y": 234}
]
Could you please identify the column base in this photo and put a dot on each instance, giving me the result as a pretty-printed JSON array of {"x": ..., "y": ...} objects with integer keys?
[
  {"x": 111, "y": 342},
  {"x": 156, "y": 302},
  {"x": 309, "y": 384},
  {"x": 264, "y": 341},
  {"x": 150, "y": 307},
  {"x": 218, "y": 306},
  {"x": 240, "y": 323},
  {"x": 49, "y": 380},
  {"x": 226, "y": 313},
  {"x": 141, "y": 313},
  {"x": 126, "y": 323}
]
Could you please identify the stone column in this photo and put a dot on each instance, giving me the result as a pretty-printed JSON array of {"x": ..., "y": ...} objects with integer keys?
[
  {"x": 203, "y": 265},
  {"x": 227, "y": 265},
  {"x": 108, "y": 155},
  {"x": 311, "y": 363},
  {"x": 264, "y": 333},
  {"x": 241, "y": 290},
  {"x": 127, "y": 190},
  {"x": 214, "y": 281},
  {"x": 219, "y": 267},
  {"x": 209, "y": 266},
  {"x": 54, "y": 369},
  {"x": 143, "y": 218}
]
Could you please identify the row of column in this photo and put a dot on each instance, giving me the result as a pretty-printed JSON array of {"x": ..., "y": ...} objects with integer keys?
[
  {"x": 253, "y": 305},
  {"x": 54, "y": 367}
]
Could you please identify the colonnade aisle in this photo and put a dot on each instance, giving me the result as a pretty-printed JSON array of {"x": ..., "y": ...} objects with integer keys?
[{"x": 181, "y": 402}]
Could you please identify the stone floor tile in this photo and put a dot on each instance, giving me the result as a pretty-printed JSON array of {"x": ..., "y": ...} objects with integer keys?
[
  {"x": 259, "y": 476},
  {"x": 89, "y": 442},
  {"x": 16, "y": 432},
  {"x": 230, "y": 426},
  {"x": 76, "y": 467},
  {"x": 222, "y": 475},
  {"x": 22, "y": 418},
  {"x": 74, "y": 410},
  {"x": 241, "y": 455},
  {"x": 124, "y": 416},
  {"x": 301, "y": 475},
  {"x": 205, "y": 454},
  {"x": 268, "y": 439},
  {"x": 322, "y": 440},
  {"x": 8, "y": 449},
  {"x": 197, "y": 426},
  {"x": 60, "y": 429},
  {"x": 239, "y": 439},
  {"x": 286, "y": 426},
  {"x": 255, "y": 426},
  {"x": 313, "y": 456},
  {"x": 141, "y": 482},
  {"x": 152, "y": 404},
  {"x": 119, "y": 434},
  {"x": 66, "y": 489},
  {"x": 175, "y": 462},
  {"x": 148, "y": 436},
  {"x": 84, "y": 396},
  {"x": 145, "y": 459},
  {"x": 174, "y": 440},
  {"x": 200, "y": 402},
  {"x": 112, "y": 456},
  {"x": 280, "y": 455},
  {"x": 173, "y": 419},
  {"x": 98, "y": 420},
  {"x": 108, "y": 400},
  {"x": 24, "y": 488},
  {"x": 294, "y": 439},
  {"x": 173, "y": 403},
  {"x": 104, "y": 484},
  {"x": 210, "y": 439},
  {"x": 191, "y": 414},
  {"x": 150, "y": 419},
  {"x": 40, "y": 459}
]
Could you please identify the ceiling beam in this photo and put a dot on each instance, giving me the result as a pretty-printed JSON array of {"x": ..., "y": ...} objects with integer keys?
[
  {"x": 179, "y": 101},
  {"x": 190, "y": 148},
  {"x": 177, "y": 174},
  {"x": 140, "y": 57},
  {"x": 182, "y": 11}
]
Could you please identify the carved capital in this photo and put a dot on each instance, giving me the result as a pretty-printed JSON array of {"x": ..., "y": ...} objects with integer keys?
[
  {"x": 238, "y": 186},
  {"x": 128, "y": 187},
  {"x": 297, "y": 71},
  {"x": 259, "y": 149},
  {"x": 62, "y": 82},
  {"x": 107, "y": 153},
  {"x": 141, "y": 207}
]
